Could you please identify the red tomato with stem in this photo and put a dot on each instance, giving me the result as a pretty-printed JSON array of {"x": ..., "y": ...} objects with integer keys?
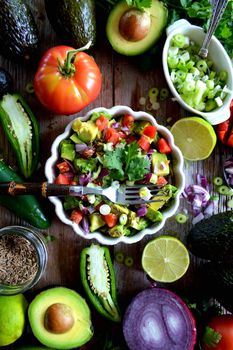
[
  {"x": 222, "y": 324},
  {"x": 67, "y": 80}
]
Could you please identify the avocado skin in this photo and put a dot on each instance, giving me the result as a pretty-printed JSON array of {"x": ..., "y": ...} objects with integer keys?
[
  {"x": 19, "y": 37},
  {"x": 212, "y": 238},
  {"x": 218, "y": 281},
  {"x": 73, "y": 20}
]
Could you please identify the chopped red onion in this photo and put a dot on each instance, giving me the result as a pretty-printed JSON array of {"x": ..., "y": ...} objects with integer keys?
[
  {"x": 80, "y": 147},
  {"x": 85, "y": 224},
  {"x": 209, "y": 210},
  {"x": 202, "y": 181},
  {"x": 103, "y": 172},
  {"x": 84, "y": 179},
  {"x": 142, "y": 211},
  {"x": 228, "y": 171},
  {"x": 115, "y": 125},
  {"x": 69, "y": 174},
  {"x": 125, "y": 129},
  {"x": 151, "y": 151},
  {"x": 147, "y": 177},
  {"x": 198, "y": 218}
]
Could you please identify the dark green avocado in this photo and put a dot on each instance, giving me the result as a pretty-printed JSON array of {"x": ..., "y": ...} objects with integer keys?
[
  {"x": 212, "y": 238},
  {"x": 19, "y": 38},
  {"x": 218, "y": 281},
  {"x": 73, "y": 20}
]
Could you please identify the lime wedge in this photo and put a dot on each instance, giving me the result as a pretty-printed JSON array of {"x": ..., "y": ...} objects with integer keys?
[
  {"x": 165, "y": 259},
  {"x": 195, "y": 137}
]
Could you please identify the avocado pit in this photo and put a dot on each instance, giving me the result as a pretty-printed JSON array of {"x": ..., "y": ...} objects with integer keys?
[
  {"x": 58, "y": 318},
  {"x": 134, "y": 25}
]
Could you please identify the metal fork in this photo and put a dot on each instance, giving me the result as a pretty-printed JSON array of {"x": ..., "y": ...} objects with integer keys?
[
  {"x": 128, "y": 195},
  {"x": 219, "y": 7}
]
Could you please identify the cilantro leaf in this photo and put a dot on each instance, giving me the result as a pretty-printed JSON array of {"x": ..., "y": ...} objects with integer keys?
[
  {"x": 211, "y": 338},
  {"x": 137, "y": 168},
  {"x": 140, "y": 4},
  {"x": 113, "y": 160}
]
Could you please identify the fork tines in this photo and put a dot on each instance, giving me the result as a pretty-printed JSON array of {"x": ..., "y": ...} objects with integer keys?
[{"x": 134, "y": 190}]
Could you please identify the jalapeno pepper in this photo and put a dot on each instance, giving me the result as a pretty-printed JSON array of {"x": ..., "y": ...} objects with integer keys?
[
  {"x": 26, "y": 207},
  {"x": 98, "y": 279},
  {"x": 225, "y": 130},
  {"x": 22, "y": 131}
]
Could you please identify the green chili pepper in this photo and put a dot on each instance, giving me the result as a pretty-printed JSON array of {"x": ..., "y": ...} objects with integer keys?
[
  {"x": 26, "y": 207},
  {"x": 22, "y": 130},
  {"x": 98, "y": 279}
]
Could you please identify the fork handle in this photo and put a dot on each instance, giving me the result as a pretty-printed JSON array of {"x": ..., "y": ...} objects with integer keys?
[{"x": 44, "y": 189}]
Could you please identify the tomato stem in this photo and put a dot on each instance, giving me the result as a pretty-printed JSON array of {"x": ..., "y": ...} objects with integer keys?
[{"x": 68, "y": 68}]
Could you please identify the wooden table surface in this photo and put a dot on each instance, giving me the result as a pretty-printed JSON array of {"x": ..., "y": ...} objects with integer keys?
[{"x": 123, "y": 84}]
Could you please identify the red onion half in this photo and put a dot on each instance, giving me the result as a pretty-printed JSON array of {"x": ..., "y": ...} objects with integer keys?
[{"x": 158, "y": 319}]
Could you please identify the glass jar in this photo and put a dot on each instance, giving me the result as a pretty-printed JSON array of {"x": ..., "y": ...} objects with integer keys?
[{"x": 37, "y": 241}]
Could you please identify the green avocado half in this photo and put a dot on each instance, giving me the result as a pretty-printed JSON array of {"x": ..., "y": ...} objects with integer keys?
[
  {"x": 131, "y": 31},
  {"x": 60, "y": 318}
]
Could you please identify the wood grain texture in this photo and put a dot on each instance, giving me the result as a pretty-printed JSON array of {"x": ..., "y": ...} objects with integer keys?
[{"x": 123, "y": 84}]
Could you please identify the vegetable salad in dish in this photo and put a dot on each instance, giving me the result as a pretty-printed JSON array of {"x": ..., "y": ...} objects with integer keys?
[{"x": 106, "y": 151}]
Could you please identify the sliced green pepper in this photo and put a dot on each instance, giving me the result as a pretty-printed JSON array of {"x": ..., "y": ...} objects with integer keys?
[
  {"x": 22, "y": 130},
  {"x": 98, "y": 279}
]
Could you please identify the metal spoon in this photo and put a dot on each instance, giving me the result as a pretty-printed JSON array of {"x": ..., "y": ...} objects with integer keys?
[{"x": 219, "y": 7}]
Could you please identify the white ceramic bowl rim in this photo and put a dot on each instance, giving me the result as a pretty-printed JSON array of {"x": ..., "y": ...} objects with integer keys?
[
  {"x": 177, "y": 167},
  {"x": 222, "y": 113}
]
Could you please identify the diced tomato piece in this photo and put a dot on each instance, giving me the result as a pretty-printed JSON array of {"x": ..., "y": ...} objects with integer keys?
[
  {"x": 63, "y": 167},
  {"x": 128, "y": 121},
  {"x": 230, "y": 139},
  {"x": 161, "y": 181},
  {"x": 111, "y": 135},
  {"x": 62, "y": 179},
  {"x": 163, "y": 146},
  {"x": 110, "y": 219},
  {"x": 102, "y": 122},
  {"x": 76, "y": 216},
  {"x": 122, "y": 135},
  {"x": 144, "y": 143},
  {"x": 150, "y": 131}
]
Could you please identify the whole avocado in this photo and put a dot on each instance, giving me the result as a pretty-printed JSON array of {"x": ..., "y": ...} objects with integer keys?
[
  {"x": 6, "y": 82},
  {"x": 73, "y": 20},
  {"x": 19, "y": 38},
  {"x": 212, "y": 238},
  {"x": 217, "y": 278}
]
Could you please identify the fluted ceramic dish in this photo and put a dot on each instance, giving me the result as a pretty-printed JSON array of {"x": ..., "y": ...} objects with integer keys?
[{"x": 178, "y": 177}]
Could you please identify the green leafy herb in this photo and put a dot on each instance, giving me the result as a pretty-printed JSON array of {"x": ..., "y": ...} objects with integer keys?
[
  {"x": 126, "y": 161},
  {"x": 49, "y": 238},
  {"x": 71, "y": 203},
  {"x": 211, "y": 338},
  {"x": 140, "y": 4}
]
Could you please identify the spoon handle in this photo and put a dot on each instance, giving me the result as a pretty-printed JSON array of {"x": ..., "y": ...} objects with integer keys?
[{"x": 219, "y": 7}]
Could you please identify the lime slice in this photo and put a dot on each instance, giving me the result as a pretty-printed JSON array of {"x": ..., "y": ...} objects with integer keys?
[
  {"x": 165, "y": 259},
  {"x": 195, "y": 137}
]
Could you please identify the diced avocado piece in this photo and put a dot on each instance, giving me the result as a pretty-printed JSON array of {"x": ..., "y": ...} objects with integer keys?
[
  {"x": 75, "y": 138},
  {"x": 120, "y": 209},
  {"x": 87, "y": 131},
  {"x": 154, "y": 215},
  {"x": 96, "y": 173},
  {"x": 67, "y": 150},
  {"x": 118, "y": 231},
  {"x": 140, "y": 126},
  {"x": 160, "y": 164},
  {"x": 163, "y": 197},
  {"x": 122, "y": 35},
  {"x": 85, "y": 165},
  {"x": 139, "y": 223},
  {"x": 96, "y": 222}
]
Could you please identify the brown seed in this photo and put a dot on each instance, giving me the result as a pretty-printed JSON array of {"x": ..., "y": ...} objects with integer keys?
[
  {"x": 134, "y": 25},
  {"x": 58, "y": 318}
]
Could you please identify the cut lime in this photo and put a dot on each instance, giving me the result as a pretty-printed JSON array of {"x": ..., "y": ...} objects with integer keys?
[
  {"x": 165, "y": 259},
  {"x": 195, "y": 137}
]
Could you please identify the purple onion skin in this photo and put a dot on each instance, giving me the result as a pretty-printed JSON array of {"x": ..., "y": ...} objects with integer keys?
[
  {"x": 85, "y": 224},
  {"x": 158, "y": 319}
]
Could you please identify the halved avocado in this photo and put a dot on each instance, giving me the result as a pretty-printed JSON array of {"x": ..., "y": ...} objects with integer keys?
[
  {"x": 131, "y": 31},
  {"x": 60, "y": 318}
]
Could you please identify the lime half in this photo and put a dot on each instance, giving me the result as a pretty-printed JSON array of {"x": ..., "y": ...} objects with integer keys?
[
  {"x": 195, "y": 137},
  {"x": 165, "y": 259}
]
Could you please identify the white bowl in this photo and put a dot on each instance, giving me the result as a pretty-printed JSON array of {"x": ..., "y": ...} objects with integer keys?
[
  {"x": 221, "y": 61},
  {"x": 177, "y": 169}
]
